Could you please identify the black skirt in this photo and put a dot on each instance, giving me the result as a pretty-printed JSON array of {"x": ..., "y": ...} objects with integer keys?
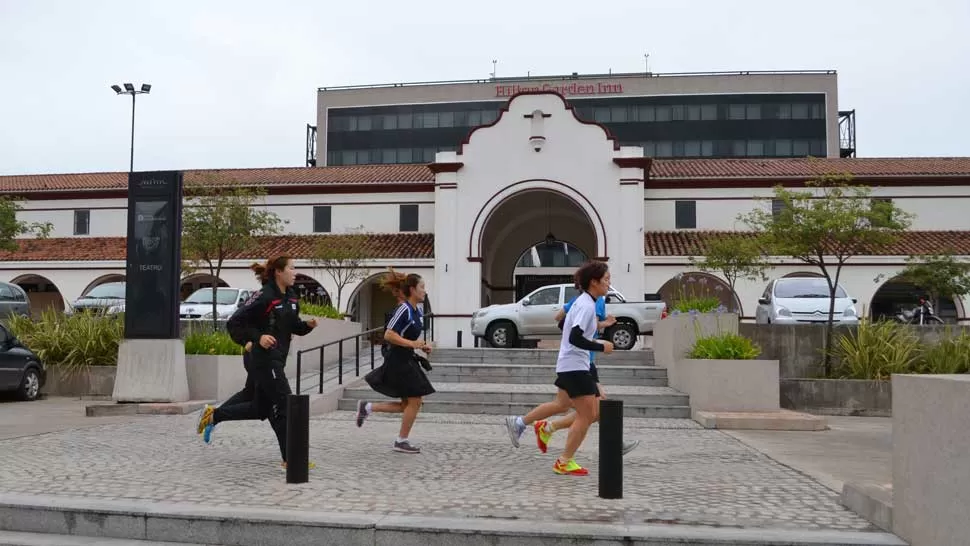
[{"x": 400, "y": 376}]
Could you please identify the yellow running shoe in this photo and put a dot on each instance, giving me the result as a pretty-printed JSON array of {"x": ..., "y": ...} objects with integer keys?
[
  {"x": 205, "y": 418},
  {"x": 571, "y": 468},
  {"x": 311, "y": 465},
  {"x": 542, "y": 435}
]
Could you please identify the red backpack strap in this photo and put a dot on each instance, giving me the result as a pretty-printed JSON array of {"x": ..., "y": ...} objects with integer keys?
[{"x": 271, "y": 305}]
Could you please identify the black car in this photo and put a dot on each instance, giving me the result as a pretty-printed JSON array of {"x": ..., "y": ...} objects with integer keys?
[{"x": 20, "y": 368}]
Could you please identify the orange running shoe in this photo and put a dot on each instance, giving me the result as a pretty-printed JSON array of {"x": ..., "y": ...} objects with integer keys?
[
  {"x": 571, "y": 468},
  {"x": 542, "y": 437}
]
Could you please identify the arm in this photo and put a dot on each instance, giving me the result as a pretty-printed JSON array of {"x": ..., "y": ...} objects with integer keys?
[
  {"x": 395, "y": 327},
  {"x": 243, "y": 325},
  {"x": 577, "y": 340},
  {"x": 302, "y": 327}
]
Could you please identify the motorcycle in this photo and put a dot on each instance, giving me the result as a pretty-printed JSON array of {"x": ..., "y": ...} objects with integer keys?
[{"x": 920, "y": 315}]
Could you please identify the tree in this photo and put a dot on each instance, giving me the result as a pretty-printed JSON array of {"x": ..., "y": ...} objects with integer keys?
[
  {"x": 342, "y": 257},
  {"x": 222, "y": 220},
  {"x": 940, "y": 275},
  {"x": 734, "y": 257},
  {"x": 11, "y": 228},
  {"x": 826, "y": 226}
]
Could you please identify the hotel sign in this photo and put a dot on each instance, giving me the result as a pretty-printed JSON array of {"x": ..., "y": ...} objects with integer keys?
[{"x": 566, "y": 89}]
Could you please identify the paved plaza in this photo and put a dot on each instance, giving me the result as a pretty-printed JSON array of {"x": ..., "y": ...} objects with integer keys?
[{"x": 681, "y": 474}]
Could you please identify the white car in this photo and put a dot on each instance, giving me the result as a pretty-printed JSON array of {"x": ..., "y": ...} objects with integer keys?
[
  {"x": 198, "y": 306},
  {"x": 802, "y": 300}
]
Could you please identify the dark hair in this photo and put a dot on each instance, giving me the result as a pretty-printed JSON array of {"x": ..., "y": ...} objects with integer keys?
[
  {"x": 399, "y": 284},
  {"x": 589, "y": 272},
  {"x": 267, "y": 272}
]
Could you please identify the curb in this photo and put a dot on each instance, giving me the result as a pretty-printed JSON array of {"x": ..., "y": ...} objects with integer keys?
[
  {"x": 169, "y": 522},
  {"x": 872, "y": 502}
]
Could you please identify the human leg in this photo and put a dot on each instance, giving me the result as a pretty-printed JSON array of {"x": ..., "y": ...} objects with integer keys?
[
  {"x": 365, "y": 408},
  {"x": 516, "y": 425},
  {"x": 411, "y": 408},
  {"x": 582, "y": 391}
]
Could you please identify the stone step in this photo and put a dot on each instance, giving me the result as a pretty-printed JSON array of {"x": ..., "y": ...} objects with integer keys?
[
  {"x": 535, "y": 356},
  {"x": 518, "y": 408},
  {"x": 9, "y": 538},
  {"x": 503, "y": 393},
  {"x": 543, "y": 374}
]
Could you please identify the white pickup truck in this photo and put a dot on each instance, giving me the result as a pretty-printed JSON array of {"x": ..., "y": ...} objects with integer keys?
[{"x": 535, "y": 315}]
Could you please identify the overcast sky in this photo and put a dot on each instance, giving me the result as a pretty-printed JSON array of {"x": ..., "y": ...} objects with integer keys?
[{"x": 234, "y": 81}]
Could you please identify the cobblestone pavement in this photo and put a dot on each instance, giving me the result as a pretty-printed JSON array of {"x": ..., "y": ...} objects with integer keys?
[{"x": 680, "y": 474}]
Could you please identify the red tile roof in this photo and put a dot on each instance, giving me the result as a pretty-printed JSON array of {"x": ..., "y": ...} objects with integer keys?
[
  {"x": 273, "y": 177},
  {"x": 694, "y": 169},
  {"x": 381, "y": 245},
  {"x": 913, "y": 243}
]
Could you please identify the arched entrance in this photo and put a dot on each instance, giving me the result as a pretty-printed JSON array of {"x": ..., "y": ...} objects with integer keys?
[
  {"x": 42, "y": 293},
  {"x": 311, "y": 291},
  {"x": 896, "y": 295},
  {"x": 111, "y": 277},
  {"x": 195, "y": 281},
  {"x": 696, "y": 285},
  {"x": 804, "y": 274},
  {"x": 544, "y": 225},
  {"x": 369, "y": 303}
]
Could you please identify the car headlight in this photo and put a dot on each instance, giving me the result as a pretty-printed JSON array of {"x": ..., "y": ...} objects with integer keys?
[
  {"x": 209, "y": 315},
  {"x": 850, "y": 312},
  {"x": 783, "y": 312}
]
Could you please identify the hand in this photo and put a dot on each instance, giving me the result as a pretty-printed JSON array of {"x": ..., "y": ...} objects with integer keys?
[
  {"x": 607, "y": 347},
  {"x": 267, "y": 341},
  {"x": 601, "y": 391},
  {"x": 249, "y": 346},
  {"x": 610, "y": 320},
  {"x": 427, "y": 348},
  {"x": 312, "y": 323}
]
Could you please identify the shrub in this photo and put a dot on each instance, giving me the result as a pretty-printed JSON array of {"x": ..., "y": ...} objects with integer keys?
[
  {"x": 208, "y": 342},
  {"x": 726, "y": 346},
  {"x": 700, "y": 304},
  {"x": 71, "y": 342},
  {"x": 950, "y": 355},
  {"x": 876, "y": 350},
  {"x": 321, "y": 311}
]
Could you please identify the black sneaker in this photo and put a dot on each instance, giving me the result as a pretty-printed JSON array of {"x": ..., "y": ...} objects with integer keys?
[
  {"x": 361, "y": 412},
  {"x": 405, "y": 447}
]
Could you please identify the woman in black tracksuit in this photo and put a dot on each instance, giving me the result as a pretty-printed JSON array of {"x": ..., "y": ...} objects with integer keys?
[{"x": 269, "y": 322}]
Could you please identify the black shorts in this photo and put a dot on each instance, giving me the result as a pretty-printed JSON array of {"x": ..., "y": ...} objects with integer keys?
[{"x": 576, "y": 384}]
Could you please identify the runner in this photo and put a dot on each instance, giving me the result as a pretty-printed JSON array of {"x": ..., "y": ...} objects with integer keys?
[
  {"x": 266, "y": 323},
  {"x": 577, "y": 387},
  {"x": 538, "y": 417},
  {"x": 399, "y": 375}
]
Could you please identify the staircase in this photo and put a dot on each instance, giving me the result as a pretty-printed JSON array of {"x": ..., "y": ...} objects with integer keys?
[{"x": 513, "y": 381}]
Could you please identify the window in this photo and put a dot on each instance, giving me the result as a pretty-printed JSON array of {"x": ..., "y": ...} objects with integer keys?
[
  {"x": 663, "y": 113},
  {"x": 649, "y": 149},
  {"x": 601, "y": 115},
  {"x": 736, "y": 111},
  {"x": 800, "y": 148},
  {"x": 645, "y": 113},
  {"x": 756, "y": 148},
  {"x": 739, "y": 148},
  {"x": 404, "y": 155},
  {"x": 777, "y": 206},
  {"x": 685, "y": 214},
  {"x": 692, "y": 148},
  {"x": 348, "y": 157},
  {"x": 784, "y": 111},
  {"x": 783, "y": 147},
  {"x": 618, "y": 114},
  {"x": 446, "y": 119},
  {"x": 474, "y": 118},
  {"x": 694, "y": 112},
  {"x": 363, "y": 123},
  {"x": 409, "y": 218},
  {"x": 665, "y": 148},
  {"x": 405, "y": 121},
  {"x": 546, "y": 296},
  {"x": 677, "y": 113},
  {"x": 753, "y": 111},
  {"x": 799, "y": 111},
  {"x": 709, "y": 112},
  {"x": 321, "y": 219},
  {"x": 390, "y": 121},
  {"x": 707, "y": 148},
  {"x": 488, "y": 116},
  {"x": 817, "y": 148},
  {"x": 6, "y": 294},
  {"x": 82, "y": 222},
  {"x": 389, "y": 155},
  {"x": 818, "y": 112}
]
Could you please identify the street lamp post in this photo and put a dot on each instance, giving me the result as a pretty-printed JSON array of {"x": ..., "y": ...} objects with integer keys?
[{"x": 130, "y": 90}]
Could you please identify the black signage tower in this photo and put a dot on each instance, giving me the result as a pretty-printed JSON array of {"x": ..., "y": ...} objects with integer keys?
[{"x": 154, "y": 255}]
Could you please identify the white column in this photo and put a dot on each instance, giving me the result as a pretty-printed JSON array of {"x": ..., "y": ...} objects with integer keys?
[
  {"x": 453, "y": 292},
  {"x": 625, "y": 236}
]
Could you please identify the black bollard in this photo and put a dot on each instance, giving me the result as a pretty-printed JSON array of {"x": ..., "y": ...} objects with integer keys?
[
  {"x": 459, "y": 339},
  {"x": 611, "y": 449},
  {"x": 297, "y": 438}
]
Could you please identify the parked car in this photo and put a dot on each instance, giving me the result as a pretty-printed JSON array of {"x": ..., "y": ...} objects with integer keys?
[
  {"x": 13, "y": 301},
  {"x": 198, "y": 306},
  {"x": 20, "y": 368},
  {"x": 107, "y": 298},
  {"x": 534, "y": 315},
  {"x": 801, "y": 300}
]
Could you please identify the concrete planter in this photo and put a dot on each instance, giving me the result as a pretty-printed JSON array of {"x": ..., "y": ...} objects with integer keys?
[
  {"x": 675, "y": 336},
  {"x": 92, "y": 381},
  {"x": 730, "y": 385},
  {"x": 838, "y": 396},
  {"x": 214, "y": 377}
]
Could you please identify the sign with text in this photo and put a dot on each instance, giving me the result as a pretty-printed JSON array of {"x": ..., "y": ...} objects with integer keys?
[
  {"x": 154, "y": 255},
  {"x": 566, "y": 89}
]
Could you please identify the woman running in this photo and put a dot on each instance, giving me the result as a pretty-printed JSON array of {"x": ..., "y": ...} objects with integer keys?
[
  {"x": 269, "y": 322},
  {"x": 400, "y": 376}
]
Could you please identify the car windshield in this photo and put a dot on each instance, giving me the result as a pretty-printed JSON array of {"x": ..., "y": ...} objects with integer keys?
[
  {"x": 108, "y": 291},
  {"x": 224, "y": 296},
  {"x": 806, "y": 288}
]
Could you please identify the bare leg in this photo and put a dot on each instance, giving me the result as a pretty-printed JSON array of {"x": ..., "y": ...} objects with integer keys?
[
  {"x": 544, "y": 411},
  {"x": 411, "y": 408},
  {"x": 587, "y": 412},
  {"x": 387, "y": 407}
]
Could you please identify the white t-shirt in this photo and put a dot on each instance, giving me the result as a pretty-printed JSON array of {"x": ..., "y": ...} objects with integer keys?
[{"x": 582, "y": 314}]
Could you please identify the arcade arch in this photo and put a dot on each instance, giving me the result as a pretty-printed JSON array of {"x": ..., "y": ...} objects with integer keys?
[
  {"x": 42, "y": 293},
  {"x": 111, "y": 277},
  {"x": 311, "y": 291},
  {"x": 896, "y": 295},
  {"x": 697, "y": 284},
  {"x": 560, "y": 224},
  {"x": 369, "y": 303},
  {"x": 191, "y": 283}
]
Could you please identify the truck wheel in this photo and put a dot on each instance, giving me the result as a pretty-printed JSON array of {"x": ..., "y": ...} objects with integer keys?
[
  {"x": 501, "y": 335},
  {"x": 623, "y": 335}
]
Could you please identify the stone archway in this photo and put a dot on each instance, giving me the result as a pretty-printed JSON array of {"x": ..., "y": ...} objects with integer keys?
[
  {"x": 311, "y": 290},
  {"x": 103, "y": 279},
  {"x": 369, "y": 303},
  {"x": 804, "y": 274},
  {"x": 697, "y": 284},
  {"x": 516, "y": 224},
  {"x": 42, "y": 293},
  {"x": 192, "y": 282},
  {"x": 896, "y": 295}
]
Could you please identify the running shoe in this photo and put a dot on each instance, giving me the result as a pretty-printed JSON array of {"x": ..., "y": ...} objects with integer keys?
[
  {"x": 311, "y": 465},
  {"x": 542, "y": 435},
  {"x": 205, "y": 418},
  {"x": 571, "y": 468},
  {"x": 405, "y": 447},
  {"x": 630, "y": 446},
  {"x": 515, "y": 431},
  {"x": 361, "y": 412},
  {"x": 207, "y": 433}
]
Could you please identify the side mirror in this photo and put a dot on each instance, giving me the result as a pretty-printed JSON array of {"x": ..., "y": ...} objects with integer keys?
[
  {"x": 764, "y": 301},
  {"x": 526, "y": 301},
  {"x": 855, "y": 300}
]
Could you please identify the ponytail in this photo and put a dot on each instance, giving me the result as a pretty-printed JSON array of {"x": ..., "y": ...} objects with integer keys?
[{"x": 266, "y": 272}]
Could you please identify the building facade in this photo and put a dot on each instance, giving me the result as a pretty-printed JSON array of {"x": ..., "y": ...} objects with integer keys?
[
  {"x": 519, "y": 203},
  {"x": 738, "y": 114}
]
